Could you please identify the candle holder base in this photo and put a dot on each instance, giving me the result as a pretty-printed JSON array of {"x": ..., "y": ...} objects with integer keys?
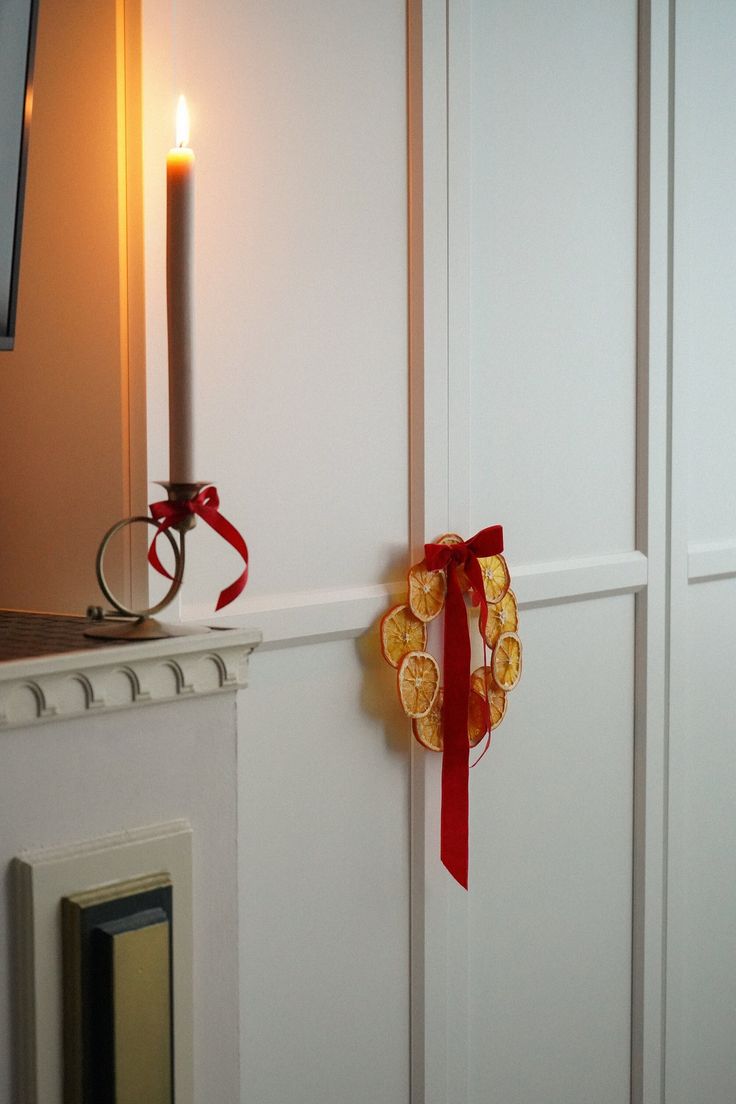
[
  {"x": 145, "y": 628},
  {"x": 131, "y": 624}
]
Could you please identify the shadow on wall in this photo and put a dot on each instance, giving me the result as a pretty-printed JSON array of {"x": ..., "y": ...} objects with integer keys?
[{"x": 379, "y": 697}]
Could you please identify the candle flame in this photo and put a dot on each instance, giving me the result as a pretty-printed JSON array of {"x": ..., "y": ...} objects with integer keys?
[{"x": 182, "y": 123}]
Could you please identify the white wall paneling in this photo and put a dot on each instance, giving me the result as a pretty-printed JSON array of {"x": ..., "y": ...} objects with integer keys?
[
  {"x": 701, "y": 966},
  {"x": 705, "y": 260},
  {"x": 550, "y": 876},
  {"x": 324, "y": 860},
  {"x": 553, "y": 260},
  {"x": 289, "y": 619},
  {"x": 299, "y": 129},
  {"x": 552, "y": 103},
  {"x": 570, "y": 336},
  {"x": 439, "y": 1055},
  {"x": 652, "y": 656},
  {"x": 711, "y": 560},
  {"x": 537, "y": 371},
  {"x": 701, "y": 980}
]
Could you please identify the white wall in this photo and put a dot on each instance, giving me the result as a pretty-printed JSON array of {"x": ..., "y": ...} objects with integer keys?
[
  {"x": 544, "y": 389},
  {"x": 324, "y": 876},
  {"x": 298, "y": 125},
  {"x": 591, "y": 240},
  {"x": 542, "y": 199},
  {"x": 701, "y": 974}
]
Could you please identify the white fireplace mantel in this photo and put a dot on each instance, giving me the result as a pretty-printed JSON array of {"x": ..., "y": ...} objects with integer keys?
[
  {"x": 83, "y": 763},
  {"x": 75, "y": 683}
]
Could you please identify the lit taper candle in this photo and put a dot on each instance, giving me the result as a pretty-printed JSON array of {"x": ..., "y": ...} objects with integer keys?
[{"x": 179, "y": 242}]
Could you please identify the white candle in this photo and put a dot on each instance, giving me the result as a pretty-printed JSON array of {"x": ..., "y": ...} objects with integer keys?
[{"x": 179, "y": 233}]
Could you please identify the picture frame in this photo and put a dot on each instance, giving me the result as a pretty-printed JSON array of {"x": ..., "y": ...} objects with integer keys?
[{"x": 18, "y": 26}]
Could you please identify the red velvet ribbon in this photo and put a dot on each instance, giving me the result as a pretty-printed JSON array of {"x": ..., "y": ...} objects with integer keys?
[
  {"x": 207, "y": 506},
  {"x": 456, "y": 558}
]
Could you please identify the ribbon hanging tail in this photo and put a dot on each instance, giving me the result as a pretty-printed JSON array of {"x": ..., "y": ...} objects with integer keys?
[{"x": 456, "y": 752}]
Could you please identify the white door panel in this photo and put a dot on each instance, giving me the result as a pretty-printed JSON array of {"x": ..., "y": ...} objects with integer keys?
[
  {"x": 552, "y": 167},
  {"x": 551, "y": 878},
  {"x": 582, "y": 394}
]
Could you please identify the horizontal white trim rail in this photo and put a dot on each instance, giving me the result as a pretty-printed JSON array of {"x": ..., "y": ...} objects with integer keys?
[
  {"x": 300, "y": 617},
  {"x": 716, "y": 560},
  {"x": 546, "y": 584},
  {"x": 319, "y": 615}
]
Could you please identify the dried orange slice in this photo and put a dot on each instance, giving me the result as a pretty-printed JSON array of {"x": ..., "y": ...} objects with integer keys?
[
  {"x": 495, "y": 577},
  {"x": 481, "y": 682},
  {"x": 428, "y": 729},
  {"x": 503, "y": 617},
  {"x": 419, "y": 681},
  {"x": 498, "y": 707},
  {"x": 477, "y": 718},
  {"x": 426, "y": 591},
  {"x": 401, "y": 633},
  {"x": 506, "y": 661}
]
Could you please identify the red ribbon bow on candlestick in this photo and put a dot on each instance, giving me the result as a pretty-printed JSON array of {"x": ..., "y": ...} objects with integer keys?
[
  {"x": 207, "y": 506},
  {"x": 455, "y": 558}
]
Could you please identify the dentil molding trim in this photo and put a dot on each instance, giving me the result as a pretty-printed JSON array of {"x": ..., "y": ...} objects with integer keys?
[{"x": 83, "y": 683}]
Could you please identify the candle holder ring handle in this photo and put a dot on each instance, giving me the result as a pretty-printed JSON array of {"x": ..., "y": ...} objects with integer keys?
[{"x": 178, "y": 550}]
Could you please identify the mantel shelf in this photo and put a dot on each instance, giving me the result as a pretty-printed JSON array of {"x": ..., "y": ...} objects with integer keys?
[{"x": 82, "y": 678}]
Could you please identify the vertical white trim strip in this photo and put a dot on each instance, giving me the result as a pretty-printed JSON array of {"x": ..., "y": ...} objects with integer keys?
[
  {"x": 427, "y": 86},
  {"x": 459, "y": 178},
  {"x": 653, "y": 516},
  {"x": 435, "y": 459},
  {"x": 440, "y": 493},
  {"x": 680, "y": 474},
  {"x": 415, "y": 172}
]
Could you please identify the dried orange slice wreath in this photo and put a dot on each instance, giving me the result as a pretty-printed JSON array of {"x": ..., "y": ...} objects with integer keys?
[{"x": 404, "y": 643}]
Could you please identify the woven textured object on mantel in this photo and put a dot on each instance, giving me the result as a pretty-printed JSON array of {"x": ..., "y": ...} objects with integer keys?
[{"x": 24, "y": 635}]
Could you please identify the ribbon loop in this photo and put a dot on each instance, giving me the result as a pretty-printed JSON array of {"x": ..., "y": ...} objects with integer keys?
[{"x": 207, "y": 506}]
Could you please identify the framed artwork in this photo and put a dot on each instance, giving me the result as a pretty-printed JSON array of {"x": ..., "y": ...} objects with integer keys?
[{"x": 18, "y": 20}]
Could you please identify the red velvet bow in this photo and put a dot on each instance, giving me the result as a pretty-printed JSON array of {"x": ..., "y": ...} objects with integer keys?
[
  {"x": 207, "y": 506},
  {"x": 456, "y": 558}
]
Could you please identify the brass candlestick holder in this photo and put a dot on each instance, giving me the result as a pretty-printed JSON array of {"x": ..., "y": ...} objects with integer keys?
[{"x": 122, "y": 623}]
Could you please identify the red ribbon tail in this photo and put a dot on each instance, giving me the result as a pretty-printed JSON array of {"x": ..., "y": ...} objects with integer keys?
[
  {"x": 454, "y": 817},
  {"x": 228, "y": 532},
  {"x": 487, "y": 744}
]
